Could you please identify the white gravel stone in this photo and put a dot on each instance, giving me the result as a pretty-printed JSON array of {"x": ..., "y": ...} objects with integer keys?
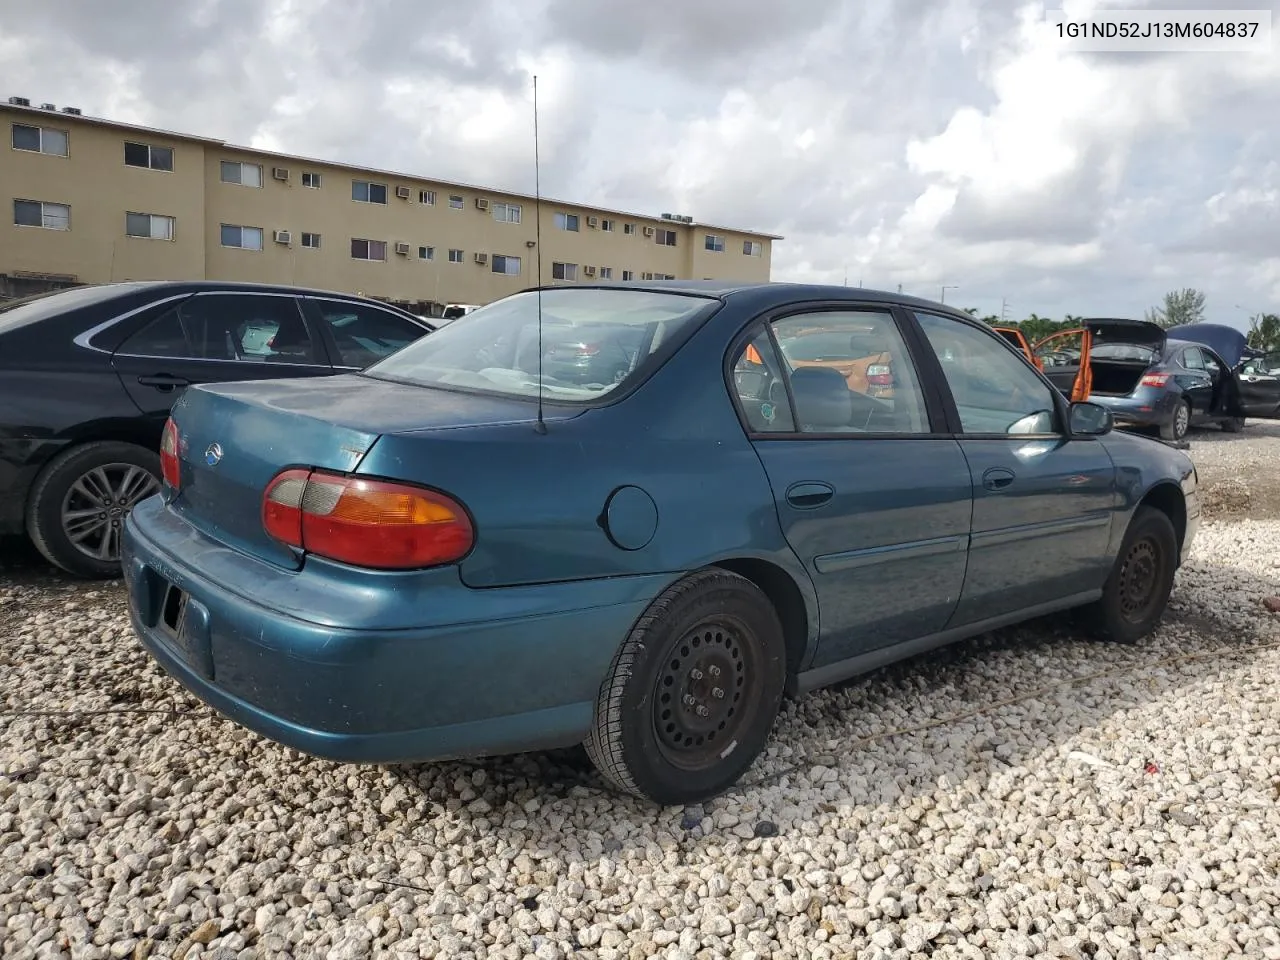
[{"x": 1027, "y": 829}]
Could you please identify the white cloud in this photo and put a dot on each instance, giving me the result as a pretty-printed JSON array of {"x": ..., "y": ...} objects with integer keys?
[{"x": 922, "y": 142}]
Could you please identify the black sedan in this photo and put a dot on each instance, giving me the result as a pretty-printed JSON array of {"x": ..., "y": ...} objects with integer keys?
[{"x": 88, "y": 376}]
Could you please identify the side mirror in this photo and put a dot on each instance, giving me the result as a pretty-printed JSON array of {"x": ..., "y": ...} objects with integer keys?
[{"x": 1090, "y": 420}]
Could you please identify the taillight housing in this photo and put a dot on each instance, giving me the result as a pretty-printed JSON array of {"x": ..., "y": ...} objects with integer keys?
[
  {"x": 880, "y": 375},
  {"x": 381, "y": 524},
  {"x": 170, "y": 465},
  {"x": 1154, "y": 380}
]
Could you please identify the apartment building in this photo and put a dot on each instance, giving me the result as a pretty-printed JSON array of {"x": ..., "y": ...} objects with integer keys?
[{"x": 92, "y": 201}]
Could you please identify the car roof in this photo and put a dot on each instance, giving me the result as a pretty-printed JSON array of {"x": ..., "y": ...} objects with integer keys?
[{"x": 195, "y": 286}]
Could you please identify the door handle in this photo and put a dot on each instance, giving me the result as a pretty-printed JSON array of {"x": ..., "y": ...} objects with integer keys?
[
  {"x": 810, "y": 494},
  {"x": 997, "y": 478},
  {"x": 164, "y": 381}
]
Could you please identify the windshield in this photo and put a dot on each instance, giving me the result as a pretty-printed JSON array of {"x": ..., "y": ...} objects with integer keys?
[
  {"x": 593, "y": 342},
  {"x": 18, "y": 313}
]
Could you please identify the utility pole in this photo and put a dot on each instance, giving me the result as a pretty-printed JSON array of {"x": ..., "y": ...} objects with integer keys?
[
  {"x": 899, "y": 288},
  {"x": 1004, "y": 309},
  {"x": 945, "y": 288}
]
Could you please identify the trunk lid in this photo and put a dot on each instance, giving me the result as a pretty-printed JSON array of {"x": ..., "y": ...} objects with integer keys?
[
  {"x": 1114, "y": 330},
  {"x": 234, "y": 437}
]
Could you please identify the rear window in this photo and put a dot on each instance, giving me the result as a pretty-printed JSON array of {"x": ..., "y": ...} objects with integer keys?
[
  {"x": 1123, "y": 351},
  {"x": 594, "y": 343},
  {"x": 19, "y": 313}
]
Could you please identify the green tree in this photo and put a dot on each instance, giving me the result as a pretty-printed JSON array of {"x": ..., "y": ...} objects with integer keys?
[
  {"x": 1264, "y": 332},
  {"x": 1178, "y": 307}
]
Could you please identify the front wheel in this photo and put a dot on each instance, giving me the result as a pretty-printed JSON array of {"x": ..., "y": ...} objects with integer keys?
[
  {"x": 692, "y": 693},
  {"x": 76, "y": 511},
  {"x": 1136, "y": 593}
]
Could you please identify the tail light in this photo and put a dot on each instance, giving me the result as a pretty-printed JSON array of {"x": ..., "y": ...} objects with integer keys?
[
  {"x": 170, "y": 467},
  {"x": 367, "y": 523},
  {"x": 880, "y": 375},
  {"x": 1154, "y": 380}
]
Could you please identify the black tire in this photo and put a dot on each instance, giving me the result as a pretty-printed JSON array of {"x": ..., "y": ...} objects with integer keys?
[
  {"x": 60, "y": 492},
  {"x": 1233, "y": 425},
  {"x": 1178, "y": 425},
  {"x": 646, "y": 739},
  {"x": 1137, "y": 591}
]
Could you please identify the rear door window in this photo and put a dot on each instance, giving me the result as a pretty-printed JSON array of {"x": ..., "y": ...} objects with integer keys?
[{"x": 247, "y": 327}]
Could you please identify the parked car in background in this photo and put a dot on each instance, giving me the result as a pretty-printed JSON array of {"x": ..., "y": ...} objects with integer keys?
[
  {"x": 1144, "y": 375},
  {"x": 424, "y": 561},
  {"x": 452, "y": 311},
  {"x": 87, "y": 377}
]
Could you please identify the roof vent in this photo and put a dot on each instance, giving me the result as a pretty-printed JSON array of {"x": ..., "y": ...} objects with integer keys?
[
  {"x": 19, "y": 101},
  {"x": 48, "y": 106},
  {"x": 73, "y": 111}
]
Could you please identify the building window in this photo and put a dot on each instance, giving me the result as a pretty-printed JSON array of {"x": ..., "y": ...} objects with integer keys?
[
  {"x": 311, "y": 240},
  {"x": 506, "y": 212},
  {"x": 36, "y": 213},
  {"x": 455, "y": 202},
  {"x": 751, "y": 248},
  {"x": 455, "y": 256},
  {"x": 606, "y": 225},
  {"x": 368, "y": 249},
  {"x": 426, "y": 253},
  {"x": 664, "y": 238},
  {"x": 40, "y": 140},
  {"x": 628, "y": 229},
  {"x": 606, "y": 273},
  {"x": 312, "y": 180},
  {"x": 628, "y": 274},
  {"x": 564, "y": 271},
  {"x": 245, "y": 174},
  {"x": 363, "y": 191},
  {"x": 567, "y": 221},
  {"x": 508, "y": 265},
  {"x": 241, "y": 238},
  {"x": 149, "y": 226},
  {"x": 147, "y": 156},
  {"x": 428, "y": 197},
  {"x": 715, "y": 244}
]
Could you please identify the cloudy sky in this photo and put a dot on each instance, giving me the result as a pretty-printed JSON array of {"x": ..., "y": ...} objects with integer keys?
[{"x": 913, "y": 142}]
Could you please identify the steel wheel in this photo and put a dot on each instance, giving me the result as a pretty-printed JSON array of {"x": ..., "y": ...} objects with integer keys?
[
  {"x": 95, "y": 506},
  {"x": 698, "y": 697}
]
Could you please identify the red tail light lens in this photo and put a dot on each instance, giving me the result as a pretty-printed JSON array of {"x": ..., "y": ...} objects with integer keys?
[
  {"x": 367, "y": 523},
  {"x": 1154, "y": 380},
  {"x": 880, "y": 374},
  {"x": 170, "y": 467}
]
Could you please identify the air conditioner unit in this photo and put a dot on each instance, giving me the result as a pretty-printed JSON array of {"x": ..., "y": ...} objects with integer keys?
[
  {"x": 482, "y": 203},
  {"x": 402, "y": 249},
  {"x": 19, "y": 101},
  {"x": 72, "y": 111},
  {"x": 482, "y": 258},
  {"x": 282, "y": 236},
  {"x": 403, "y": 193},
  {"x": 48, "y": 106},
  {"x": 589, "y": 271},
  {"x": 280, "y": 173},
  {"x": 648, "y": 231},
  {"x": 593, "y": 222},
  {"x": 667, "y": 216}
]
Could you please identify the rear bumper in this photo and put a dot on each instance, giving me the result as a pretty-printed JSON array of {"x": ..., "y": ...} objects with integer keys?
[
  {"x": 490, "y": 671},
  {"x": 1147, "y": 407}
]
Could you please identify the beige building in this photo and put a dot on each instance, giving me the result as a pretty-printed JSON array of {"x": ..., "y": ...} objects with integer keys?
[{"x": 94, "y": 201}]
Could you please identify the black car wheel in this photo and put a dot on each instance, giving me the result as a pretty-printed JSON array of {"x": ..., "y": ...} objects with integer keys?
[
  {"x": 1136, "y": 593},
  {"x": 692, "y": 693},
  {"x": 1177, "y": 427},
  {"x": 76, "y": 511}
]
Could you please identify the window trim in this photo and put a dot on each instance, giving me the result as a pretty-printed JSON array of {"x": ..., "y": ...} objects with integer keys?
[
  {"x": 713, "y": 238},
  {"x": 507, "y": 206},
  {"x": 493, "y": 263},
  {"x": 370, "y": 184},
  {"x": 424, "y": 194},
  {"x": 368, "y": 242},
  {"x": 173, "y": 226},
  {"x": 942, "y": 387},
  {"x": 240, "y": 183},
  {"x": 462, "y": 255},
  {"x": 317, "y": 179},
  {"x": 41, "y": 151},
  {"x": 935, "y": 409},
  {"x": 303, "y": 245},
  {"x": 43, "y": 204},
  {"x": 242, "y": 227},
  {"x": 566, "y": 217}
]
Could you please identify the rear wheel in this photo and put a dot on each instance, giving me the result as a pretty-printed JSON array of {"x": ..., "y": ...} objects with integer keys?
[
  {"x": 1177, "y": 427},
  {"x": 692, "y": 694},
  {"x": 1137, "y": 591},
  {"x": 76, "y": 511}
]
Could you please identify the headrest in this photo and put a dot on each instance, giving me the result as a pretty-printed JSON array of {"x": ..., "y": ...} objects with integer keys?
[{"x": 822, "y": 398}]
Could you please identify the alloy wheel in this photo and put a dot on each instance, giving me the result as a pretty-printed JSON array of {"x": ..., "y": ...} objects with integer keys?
[{"x": 95, "y": 506}]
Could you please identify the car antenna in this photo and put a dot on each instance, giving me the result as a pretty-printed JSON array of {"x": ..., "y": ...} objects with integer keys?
[{"x": 541, "y": 425}]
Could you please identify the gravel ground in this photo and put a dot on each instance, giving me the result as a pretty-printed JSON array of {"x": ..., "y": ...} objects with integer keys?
[{"x": 1025, "y": 793}]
